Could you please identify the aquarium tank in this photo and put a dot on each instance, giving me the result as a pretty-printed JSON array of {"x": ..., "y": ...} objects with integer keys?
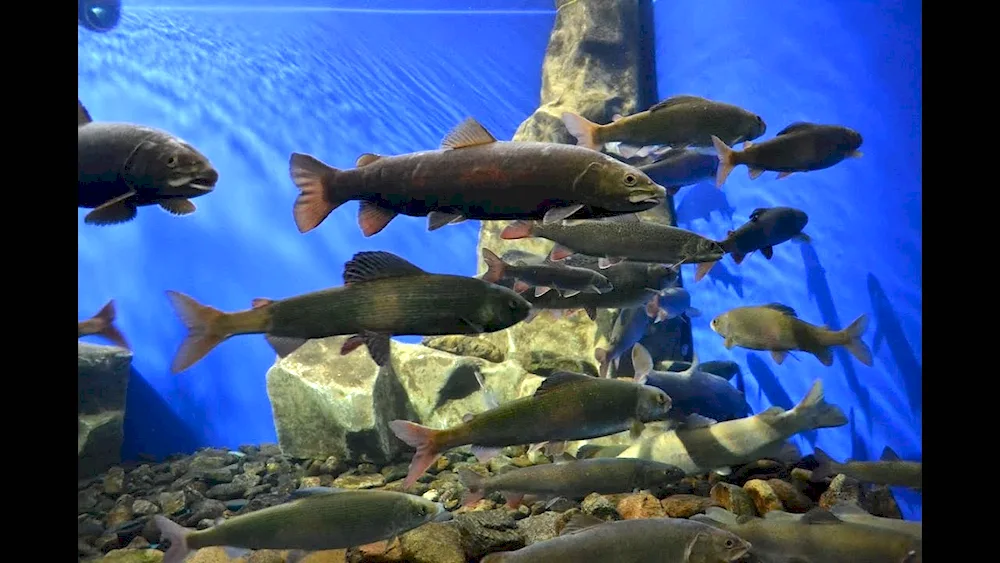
[{"x": 499, "y": 280}]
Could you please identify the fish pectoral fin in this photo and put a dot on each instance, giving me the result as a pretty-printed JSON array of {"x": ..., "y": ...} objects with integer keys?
[
  {"x": 372, "y": 265},
  {"x": 570, "y": 293},
  {"x": 541, "y": 290},
  {"x": 178, "y": 206},
  {"x": 579, "y": 522},
  {"x": 475, "y": 327},
  {"x": 469, "y": 133},
  {"x": 113, "y": 211},
  {"x": 438, "y": 219},
  {"x": 557, "y": 214},
  {"x": 635, "y": 429},
  {"x": 379, "y": 346},
  {"x": 767, "y": 251},
  {"x": 729, "y": 343}
]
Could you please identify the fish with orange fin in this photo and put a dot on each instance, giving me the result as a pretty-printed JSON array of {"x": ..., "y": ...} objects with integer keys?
[
  {"x": 800, "y": 147},
  {"x": 566, "y": 406},
  {"x": 473, "y": 176},
  {"x": 103, "y": 324},
  {"x": 384, "y": 295},
  {"x": 766, "y": 228},
  {"x": 544, "y": 276}
]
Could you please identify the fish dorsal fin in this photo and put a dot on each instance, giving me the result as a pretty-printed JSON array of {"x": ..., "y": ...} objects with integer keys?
[
  {"x": 579, "y": 522},
  {"x": 783, "y": 309},
  {"x": 82, "y": 115},
  {"x": 798, "y": 126},
  {"x": 888, "y": 454},
  {"x": 311, "y": 492},
  {"x": 366, "y": 159},
  {"x": 820, "y": 516},
  {"x": 675, "y": 100},
  {"x": 848, "y": 508},
  {"x": 756, "y": 213},
  {"x": 373, "y": 265},
  {"x": 468, "y": 133},
  {"x": 558, "y": 378}
]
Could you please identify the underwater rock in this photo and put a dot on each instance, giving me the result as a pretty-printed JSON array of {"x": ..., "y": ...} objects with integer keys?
[
  {"x": 433, "y": 543},
  {"x": 325, "y": 404},
  {"x": 685, "y": 506},
  {"x": 102, "y": 382},
  {"x": 734, "y": 499},
  {"x": 791, "y": 497},
  {"x": 764, "y": 498},
  {"x": 133, "y": 556},
  {"x": 461, "y": 345},
  {"x": 640, "y": 505}
]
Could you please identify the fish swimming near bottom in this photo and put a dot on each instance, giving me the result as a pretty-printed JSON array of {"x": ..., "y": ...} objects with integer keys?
[
  {"x": 316, "y": 519},
  {"x": 384, "y": 295},
  {"x": 103, "y": 324},
  {"x": 889, "y": 470},
  {"x": 853, "y": 513},
  {"x": 643, "y": 540},
  {"x": 571, "y": 479},
  {"x": 776, "y": 328},
  {"x": 717, "y": 447},
  {"x": 566, "y": 406},
  {"x": 817, "y": 537}
]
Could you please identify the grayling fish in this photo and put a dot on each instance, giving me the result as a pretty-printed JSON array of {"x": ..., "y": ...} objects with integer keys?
[
  {"x": 316, "y": 519},
  {"x": 124, "y": 166},
  {"x": 586, "y": 538},
  {"x": 853, "y": 513},
  {"x": 543, "y": 276}
]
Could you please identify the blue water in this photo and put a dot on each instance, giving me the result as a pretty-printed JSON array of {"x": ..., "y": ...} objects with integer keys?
[{"x": 248, "y": 85}]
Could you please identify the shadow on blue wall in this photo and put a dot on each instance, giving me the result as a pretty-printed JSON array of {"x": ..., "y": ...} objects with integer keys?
[
  {"x": 889, "y": 331},
  {"x": 152, "y": 430}
]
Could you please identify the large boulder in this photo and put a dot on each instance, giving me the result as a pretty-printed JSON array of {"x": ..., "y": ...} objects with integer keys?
[{"x": 102, "y": 383}]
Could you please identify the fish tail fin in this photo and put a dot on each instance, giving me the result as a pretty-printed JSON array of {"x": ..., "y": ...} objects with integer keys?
[
  {"x": 517, "y": 230},
  {"x": 727, "y": 161},
  {"x": 816, "y": 412},
  {"x": 826, "y": 465},
  {"x": 702, "y": 270},
  {"x": 107, "y": 328},
  {"x": 603, "y": 362},
  {"x": 856, "y": 346},
  {"x": 204, "y": 333},
  {"x": 583, "y": 129},
  {"x": 423, "y": 439},
  {"x": 474, "y": 483},
  {"x": 495, "y": 266},
  {"x": 313, "y": 179},
  {"x": 177, "y": 535}
]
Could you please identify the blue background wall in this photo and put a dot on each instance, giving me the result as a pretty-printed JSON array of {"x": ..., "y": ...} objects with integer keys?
[{"x": 249, "y": 86}]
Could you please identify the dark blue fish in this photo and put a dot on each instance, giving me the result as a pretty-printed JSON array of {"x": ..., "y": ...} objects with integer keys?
[
  {"x": 767, "y": 228},
  {"x": 629, "y": 327},
  {"x": 693, "y": 391},
  {"x": 679, "y": 168}
]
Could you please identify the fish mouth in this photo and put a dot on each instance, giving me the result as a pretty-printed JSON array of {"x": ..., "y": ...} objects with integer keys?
[
  {"x": 204, "y": 181},
  {"x": 655, "y": 196}
]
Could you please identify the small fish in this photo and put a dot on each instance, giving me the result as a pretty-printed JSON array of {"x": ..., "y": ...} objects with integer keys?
[
  {"x": 103, "y": 324},
  {"x": 673, "y": 302},
  {"x": 693, "y": 391},
  {"x": 818, "y": 536},
  {"x": 634, "y": 284},
  {"x": 767, "y": 227},
  {"x": 776, "y": 328},
  {"x": 123, "y": 166},
  {"x": 572, "y": 479},
  {"x": 629, "y": 327},
  {"x": 461, "y": 382},
  {"x": 383, "y": 296},
  {"x": 680, "y": 168},
  {"x": 566, "y": 406},
  {"x": 851, "y": 512},
  {"x": 316, "y": 519},
  {"x": 641, "y": 540},
  {"x": 889, "y": 470},
  {"x": 473, "y": 176},
  {"x": 623, "y": 239},
  {"x": 726, "y": 369},
  {"x": 677, "y": 122},
  {"x": 569, "y": 280},
  {"x": 800, "y": 147},
  {"x": 717, "y": 446}
]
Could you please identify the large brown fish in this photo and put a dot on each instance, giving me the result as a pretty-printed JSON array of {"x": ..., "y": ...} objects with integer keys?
[
  {"x": 643, "y": 540},
  {"x": 816, "y": 537},
  {"x": 103, "y": 324},
  {"x": 576, "y": 478},
  {"x": 316, "y": 519},
  {"x": 123, "y": 166},
  {"x": 566, "y": 406},
  {"x": 624, "y": 238},
  {"x": 889, "y": 470},
  {"x": 800, "y": 147},
  {"x": 776, "y": 328},
  {"x": 678, "y": 122},
  {"x": 384, "y": 295},
  {"x": 473, "y": 176}
]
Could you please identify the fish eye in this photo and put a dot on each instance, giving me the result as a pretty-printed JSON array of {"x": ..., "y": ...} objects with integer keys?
[
  {"x": 512, "y": 303},
  {"x": 172, "y": 161},
  {"x": 630, "y": 179},
  {"x": 730, "y": 542}
]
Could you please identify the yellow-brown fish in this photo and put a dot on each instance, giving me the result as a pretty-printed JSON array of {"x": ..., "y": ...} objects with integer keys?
[{"x": 889, "y": 470}]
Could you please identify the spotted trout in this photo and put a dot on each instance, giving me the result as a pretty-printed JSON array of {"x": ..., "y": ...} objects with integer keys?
[
  {"x": 384, "y": 295},
  {"x": 566, "y": 406},
  {"x": 473, "y": 176}
]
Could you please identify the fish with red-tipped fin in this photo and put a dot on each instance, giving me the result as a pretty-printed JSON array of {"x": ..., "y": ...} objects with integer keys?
[
  {"x": 103, "y": 324},
  {"x": 473, "y": 176},
  {"x": 544, "y": 276},
  {"x": 384, "y": 295}
]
